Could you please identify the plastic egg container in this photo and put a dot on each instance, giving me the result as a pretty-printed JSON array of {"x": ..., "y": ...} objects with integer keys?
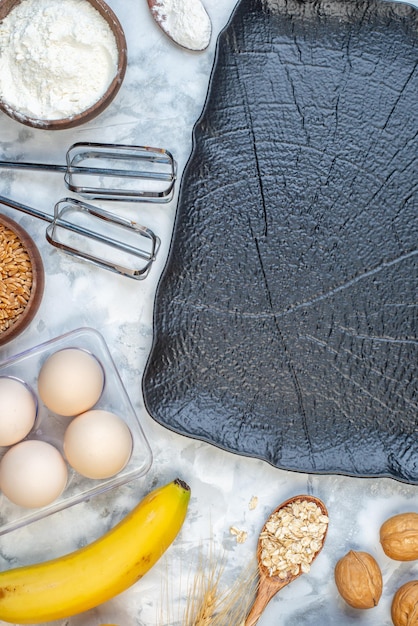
[{"x": 68, "y": 430}]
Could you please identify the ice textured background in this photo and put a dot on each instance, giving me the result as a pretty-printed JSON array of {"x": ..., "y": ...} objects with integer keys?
[{"x": 160, "y": 100}]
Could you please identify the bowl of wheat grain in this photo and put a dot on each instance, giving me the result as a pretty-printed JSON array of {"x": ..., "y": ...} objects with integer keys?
[{"x": 21, "y": 279}]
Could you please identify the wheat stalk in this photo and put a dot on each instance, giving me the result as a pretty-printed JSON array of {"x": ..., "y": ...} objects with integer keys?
[
  {"x": 202, "y": 598},
  {"x": 207, "y": 610},
  {"x": 210, "y": 605},
  {"x": 209, "y": 601}
]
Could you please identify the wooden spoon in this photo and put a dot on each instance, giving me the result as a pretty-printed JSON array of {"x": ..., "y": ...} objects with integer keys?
[
  {"x": 189, "y": 26},
  {"x": 269, "y": 585}
]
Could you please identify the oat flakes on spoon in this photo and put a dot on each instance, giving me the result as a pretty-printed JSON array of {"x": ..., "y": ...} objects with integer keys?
[{"x": 290, "y": 540}]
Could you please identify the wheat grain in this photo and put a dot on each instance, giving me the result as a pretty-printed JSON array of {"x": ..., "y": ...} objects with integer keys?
[{"x": 15, "y": 278}]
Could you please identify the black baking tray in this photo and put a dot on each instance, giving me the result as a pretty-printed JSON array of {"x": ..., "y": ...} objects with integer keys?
[{"x": 285, "y": 321}]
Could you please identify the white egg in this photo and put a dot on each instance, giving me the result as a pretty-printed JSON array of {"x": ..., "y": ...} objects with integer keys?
[
  {"x": 98, "y": 444},
  {"x": 18, "y": 409},
  {"x": 70, "y": 381},
  {"x": 33, "y": 474}
]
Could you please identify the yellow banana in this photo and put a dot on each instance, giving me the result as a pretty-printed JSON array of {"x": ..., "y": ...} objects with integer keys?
[{"x": 97, "y": 572}]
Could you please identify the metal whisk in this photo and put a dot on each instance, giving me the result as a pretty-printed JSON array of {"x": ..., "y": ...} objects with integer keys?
[
  {"x": 98, "y": 236},
  {"x": 113, "y": 172}
]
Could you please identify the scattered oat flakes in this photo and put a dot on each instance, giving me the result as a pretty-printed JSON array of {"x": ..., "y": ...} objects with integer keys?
[
  {"x": 241, "y": 535},
  {"x": 253, "y": 503}
]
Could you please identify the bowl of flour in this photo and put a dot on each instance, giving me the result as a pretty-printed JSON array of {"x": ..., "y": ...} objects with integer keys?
[{"x": 62, "y": 62}]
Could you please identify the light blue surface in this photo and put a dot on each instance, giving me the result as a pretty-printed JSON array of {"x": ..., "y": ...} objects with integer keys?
[{"x": 158, "y": 104}]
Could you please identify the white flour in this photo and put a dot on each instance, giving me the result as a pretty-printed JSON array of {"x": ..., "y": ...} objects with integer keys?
[
  {"x": 57, "y": 58},
  {"x": 186, "y": 21}
]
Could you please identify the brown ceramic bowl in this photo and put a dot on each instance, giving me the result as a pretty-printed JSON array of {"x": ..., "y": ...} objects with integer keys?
[
  {"x": 22, "y": 321},
  {"x": 100, "y": 105}
]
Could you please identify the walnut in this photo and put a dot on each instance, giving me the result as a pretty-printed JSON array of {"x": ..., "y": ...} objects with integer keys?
[
  {"x": 405, "y": 605},
  {"x": 359, "y": 580},
  {"x": 399, "y": 537}
]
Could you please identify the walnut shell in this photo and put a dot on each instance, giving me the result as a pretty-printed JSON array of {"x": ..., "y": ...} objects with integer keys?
[
  {"x": 404, "y": 608},
  {"x": 399, "y": 537},
  {"x": 359, "y": 580}
]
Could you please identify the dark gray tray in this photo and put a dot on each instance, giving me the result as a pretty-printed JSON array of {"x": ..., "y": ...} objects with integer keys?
[{"x": 285, "y": 319}]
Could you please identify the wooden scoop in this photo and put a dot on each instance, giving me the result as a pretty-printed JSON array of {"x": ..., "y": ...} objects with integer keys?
[
  {"x": 189, "y": 26},
  {"x": 269, "y": 584}
]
